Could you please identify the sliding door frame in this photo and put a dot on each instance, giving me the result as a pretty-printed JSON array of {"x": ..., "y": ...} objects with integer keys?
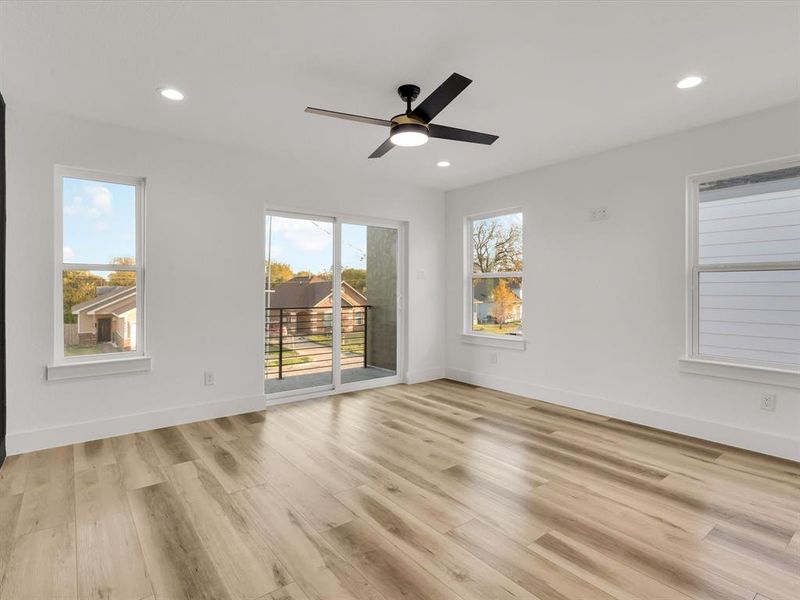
[{"x": 337, "y": 387}]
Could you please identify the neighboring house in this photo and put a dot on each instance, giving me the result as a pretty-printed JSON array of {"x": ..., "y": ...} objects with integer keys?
[
  {"x": 109, "y": 317},
  {"x": 484, "y": 305},
  {"x": 307, "y": 304}
]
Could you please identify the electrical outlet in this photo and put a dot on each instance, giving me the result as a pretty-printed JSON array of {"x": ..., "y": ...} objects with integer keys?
[
  {"x": 208, "y": 378},
  {"x": 768, "y": 401},
  {"x": 599, "y": 214},
  {"x": 493, "y": 358}
]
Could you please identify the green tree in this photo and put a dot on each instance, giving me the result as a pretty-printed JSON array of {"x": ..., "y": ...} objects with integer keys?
[
  {"x": 355, "y": 277},
  {"x": 122, "y": 278},
  {"x": 79, "y": 286},
  {"x": 280, "y": 272}
]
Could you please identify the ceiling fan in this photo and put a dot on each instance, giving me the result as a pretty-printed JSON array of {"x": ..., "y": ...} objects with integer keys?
[{"x": 414, "y": 127}]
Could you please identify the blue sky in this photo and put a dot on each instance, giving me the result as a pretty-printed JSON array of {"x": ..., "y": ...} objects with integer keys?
[
  {"x": 307, "y": 245},
  {"x": 100, "y": 224},
  {"x": 505, "y": 220},
  {"x": 99, "y": 221}
]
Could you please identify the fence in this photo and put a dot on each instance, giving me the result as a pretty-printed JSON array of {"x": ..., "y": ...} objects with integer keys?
[
  {"x": 300, "y": 340},
  {"x": 71, "y": 334}
]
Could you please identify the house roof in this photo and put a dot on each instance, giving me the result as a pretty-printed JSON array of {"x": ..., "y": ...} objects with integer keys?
[
  {"x": 118, "y": 298},
  {"x": 308, "y": 291},
  {"x": 483, "y": 290},
  {"x": 118, "y": 307}
]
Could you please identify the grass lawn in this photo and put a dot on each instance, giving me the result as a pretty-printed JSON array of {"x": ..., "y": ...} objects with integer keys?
[
  {"x": 87, "y": 350},
  {"x": 352, "y": 341},
  {"x": 290, "y": 357},
  {"x": 505, "y": 329}
]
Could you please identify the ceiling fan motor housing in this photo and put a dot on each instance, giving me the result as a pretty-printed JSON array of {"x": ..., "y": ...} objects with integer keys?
[{"x": 408, "y": 123}]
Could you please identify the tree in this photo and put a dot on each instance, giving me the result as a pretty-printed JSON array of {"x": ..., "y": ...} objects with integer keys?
[
  {"x": 280, "y": 272},
  {"x": 79, "y": 286},
  {"x": 504, "y": 301},
  {"x": 324, "y": 275},
  {"x": 122, "y": 278},
  {"x": 356, "y": 278},
  {"x": 496, "y": 246}
]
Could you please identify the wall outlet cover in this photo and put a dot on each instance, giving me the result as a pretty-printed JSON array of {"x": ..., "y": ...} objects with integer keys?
[{"x": 769, "y": 401}]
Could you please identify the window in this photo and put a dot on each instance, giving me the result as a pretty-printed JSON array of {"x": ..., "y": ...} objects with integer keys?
[
  {"x": 494, "y": 275},
  {"x": 99, "y": 274},
  {"x": 744, "y": 251}
]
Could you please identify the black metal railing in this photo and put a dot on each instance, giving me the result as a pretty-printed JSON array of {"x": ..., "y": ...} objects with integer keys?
[{"x": 299, "y": 339}]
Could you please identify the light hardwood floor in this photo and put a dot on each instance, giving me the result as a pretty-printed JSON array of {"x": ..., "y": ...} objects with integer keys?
[{"x": 431, "y": 491}]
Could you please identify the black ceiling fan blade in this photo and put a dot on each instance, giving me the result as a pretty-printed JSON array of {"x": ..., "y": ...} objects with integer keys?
[
  {"x": 441, "y": 97},
  {"x": 443, "y": 132},
  {"x": 382, "y": 149},
  {"x": 347, "y": 116}
]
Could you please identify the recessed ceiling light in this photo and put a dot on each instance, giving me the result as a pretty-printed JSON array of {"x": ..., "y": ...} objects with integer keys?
[
  {"x": 689, "y": 82},
  {"x": 443, "y": 163},
  {"x": 171, "y": 93}
]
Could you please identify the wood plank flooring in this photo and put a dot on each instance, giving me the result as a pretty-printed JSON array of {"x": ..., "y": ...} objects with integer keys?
[{"x": 431, "y": 491}]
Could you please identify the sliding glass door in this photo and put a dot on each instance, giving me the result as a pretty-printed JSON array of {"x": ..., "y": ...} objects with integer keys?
[
  {"x": 315, "y": 340},
  {"x": 298, "y": 320}
]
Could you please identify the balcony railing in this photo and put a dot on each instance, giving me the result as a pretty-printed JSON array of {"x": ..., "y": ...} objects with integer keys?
[{"x": 299, "y": 340}]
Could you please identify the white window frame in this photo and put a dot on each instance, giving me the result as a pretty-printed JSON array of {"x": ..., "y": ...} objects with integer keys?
[
  {"x": 694, "y": 361},
  {"x": 468, "y": 335},
  {"x": 68, "y": 367}
]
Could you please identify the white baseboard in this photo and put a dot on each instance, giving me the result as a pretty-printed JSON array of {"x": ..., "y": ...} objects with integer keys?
[
  {"x": 749, "y": 439},
  {"x": 39, "y": 439},
  {"x": 425, "y": 375}
]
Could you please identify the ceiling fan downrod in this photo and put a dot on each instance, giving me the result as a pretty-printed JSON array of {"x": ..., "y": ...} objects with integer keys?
[{"x": 408, "y": 93}]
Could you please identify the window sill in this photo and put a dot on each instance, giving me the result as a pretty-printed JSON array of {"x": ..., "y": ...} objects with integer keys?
[
  {"x": 768, "y": 375},
  {"x": 98, "y": 368},
  {"x": 510, "y": 342}
]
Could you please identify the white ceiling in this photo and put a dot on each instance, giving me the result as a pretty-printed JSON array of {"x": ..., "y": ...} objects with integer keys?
[{"x": 553, "y": 80}]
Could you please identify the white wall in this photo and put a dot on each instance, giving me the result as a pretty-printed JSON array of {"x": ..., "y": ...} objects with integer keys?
[
  {"x": 204, "y": 274},
  {"x": 605, "y": 301}
]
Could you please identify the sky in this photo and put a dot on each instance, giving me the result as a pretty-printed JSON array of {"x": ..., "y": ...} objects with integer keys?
[
  {"x": 505, "y": 220},
  {"x": 307, "y": 245},
  {"x": 99, "y": 221},
  {"x": 100, "y": 224}
]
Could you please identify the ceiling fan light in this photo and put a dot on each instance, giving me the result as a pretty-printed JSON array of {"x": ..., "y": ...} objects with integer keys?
[{"x": 409, "y": 134}]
